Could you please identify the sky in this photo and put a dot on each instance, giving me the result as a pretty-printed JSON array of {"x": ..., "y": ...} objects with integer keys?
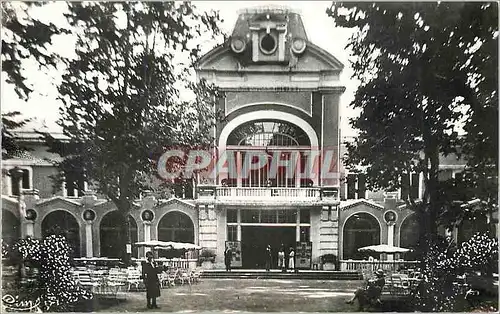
[{"x": 43, "y": 106}]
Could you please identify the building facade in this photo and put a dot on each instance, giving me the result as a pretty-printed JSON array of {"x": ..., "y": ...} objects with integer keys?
[{"x": 282, "y": 101}]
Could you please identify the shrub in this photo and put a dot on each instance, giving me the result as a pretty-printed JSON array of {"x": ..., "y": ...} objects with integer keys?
[
  {"x": 328, "y": 258},
  {"x": 56, "y": 288},
  {"x": 444, "y": 263},
  {"x": 207, "y": 255}
]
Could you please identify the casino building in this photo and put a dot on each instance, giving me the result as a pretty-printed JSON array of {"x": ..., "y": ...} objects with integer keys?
[{"x": 282, "y": 100}]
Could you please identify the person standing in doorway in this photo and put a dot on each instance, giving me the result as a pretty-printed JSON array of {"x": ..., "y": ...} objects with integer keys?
[
  {"x": 150, "y": 273},
  {"x": 291, "y": 259},
  {"x": 268, "y": 257},
  {"x": 228, "y": 256},
  {"x": 281, "y": 259}
]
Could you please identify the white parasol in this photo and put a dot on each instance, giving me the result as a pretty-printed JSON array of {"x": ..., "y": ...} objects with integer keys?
[
  {"x": 168, "y": 245},
  {"x": 383, "y": 248}
]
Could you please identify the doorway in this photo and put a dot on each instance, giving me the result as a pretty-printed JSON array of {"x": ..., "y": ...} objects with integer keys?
[{"x": 254, "y": 240}]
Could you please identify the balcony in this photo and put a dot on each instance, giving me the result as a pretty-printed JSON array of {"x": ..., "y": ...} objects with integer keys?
[{"x": 263, "y": 195}]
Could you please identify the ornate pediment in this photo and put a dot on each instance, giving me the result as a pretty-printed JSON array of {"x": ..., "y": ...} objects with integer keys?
[
  {"x": 314, "y": 59},
  {"x": 175, "y": 202},
  {"x": 362, "y": 202},
  {"x": 58, "y": 201}
]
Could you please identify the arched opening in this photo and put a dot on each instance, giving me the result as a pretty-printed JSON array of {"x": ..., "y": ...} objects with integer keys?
[
  {"x": 62, "y": 222},
  {"x": 110, "y": 231},
  {"x": 409, "y": 236},
  {"x": 360, "y": 230},
  {"x": 175, "y": 226},
  {"x": 11, "y": 228}
]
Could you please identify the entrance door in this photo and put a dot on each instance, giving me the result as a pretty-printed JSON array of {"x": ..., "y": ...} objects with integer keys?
[{"x": 254, "y": 240}]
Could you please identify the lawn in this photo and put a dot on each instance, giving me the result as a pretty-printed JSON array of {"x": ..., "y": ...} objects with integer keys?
[{"x": 255, "y": 295}]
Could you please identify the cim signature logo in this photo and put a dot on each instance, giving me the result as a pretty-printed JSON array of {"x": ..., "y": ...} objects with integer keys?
[{"x": 14, "y": 304}]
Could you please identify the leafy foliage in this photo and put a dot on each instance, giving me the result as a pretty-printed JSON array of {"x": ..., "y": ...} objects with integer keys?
[
  {"x": 56, "y": 287},
  {"x": 445, "y": 264},
  {"x": 128, "y": 96},
  {"x": 424, "y": 69},
  {"x": 24, "y": 37},
  {"x": 10, "y": 146}
]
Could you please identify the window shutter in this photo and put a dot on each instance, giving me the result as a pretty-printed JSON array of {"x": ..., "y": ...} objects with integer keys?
[
  {"x": 405, "y": 186},
  {"x": 361, "y": 185},
  {"x": 351, "y": 186},
  {"x": 415, "y": 182}
]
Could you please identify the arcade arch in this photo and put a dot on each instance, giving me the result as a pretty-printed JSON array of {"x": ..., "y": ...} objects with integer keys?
[
  {"x": 175, "y": 226},
  {"x": 63, "y": 222},
  {"x": 360, "y": 229},
  {"x": 110, "y": 231}
]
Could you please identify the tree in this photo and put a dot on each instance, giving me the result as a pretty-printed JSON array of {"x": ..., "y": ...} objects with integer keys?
[
  {"x": 122, "y": 102},
  {"x": 425, "y": 68},
  {"x": 23, "y": 37}
]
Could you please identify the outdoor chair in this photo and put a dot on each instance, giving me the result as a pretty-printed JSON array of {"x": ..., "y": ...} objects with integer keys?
[
  {"x": 117, "y": 278},
  {"x": 196, "y": 275},
  {"x": 133, "y": 279},
  {"x": 85, "y": 280},
  {"x": 400, "y": 284},
  {"x": 169, "y": 277},
  {"x": 184, "y": 276}
]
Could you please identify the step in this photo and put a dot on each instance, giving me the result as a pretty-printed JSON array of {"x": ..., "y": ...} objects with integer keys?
[{"x": 276, "y": 274}]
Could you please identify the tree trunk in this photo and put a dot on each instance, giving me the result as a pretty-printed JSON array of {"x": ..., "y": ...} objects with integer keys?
[{"x": 125, "y": 236}]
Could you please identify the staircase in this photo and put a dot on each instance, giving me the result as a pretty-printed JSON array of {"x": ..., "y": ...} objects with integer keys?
[{"x": 277, "y": 274}]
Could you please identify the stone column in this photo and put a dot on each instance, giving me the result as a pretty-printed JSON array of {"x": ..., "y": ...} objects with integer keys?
[
  {"x": 147, "y": 236},
  {"x": 238, "y": 228},
  {"x": 390, "y": 238},
  {"x": 208, "y": 230},
  {"x": 297, "y": 227},
  {"x": 88, "y": 238},
  {"x": 239, "y": 168},
  {"x": 30, "y": 228}
]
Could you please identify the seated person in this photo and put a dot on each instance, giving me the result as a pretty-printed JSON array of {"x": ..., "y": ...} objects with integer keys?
[{"x": 372, "y": 290}]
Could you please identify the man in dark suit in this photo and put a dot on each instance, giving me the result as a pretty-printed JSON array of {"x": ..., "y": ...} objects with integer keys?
[
  {"x": 150, "y": 273},
  {"x": 228, "y": 256}
]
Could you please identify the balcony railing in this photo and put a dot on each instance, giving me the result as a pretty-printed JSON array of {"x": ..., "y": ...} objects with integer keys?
[
  {"x": 260, "y": 193},
  {"x": 307, "y": 195}
]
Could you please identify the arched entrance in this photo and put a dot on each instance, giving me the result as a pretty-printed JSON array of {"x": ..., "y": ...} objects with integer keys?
[
  {"x": 11, "y": 228},
  {"x": 361, "y": 229},
  {"x": 62, "y": 222},
  {"x": 109, "y": 232},
  {"x": 175, "y": 226},
  {"x": 409, "y": 236}
]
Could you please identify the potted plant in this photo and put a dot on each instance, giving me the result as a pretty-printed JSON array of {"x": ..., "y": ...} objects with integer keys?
[
  {"x": 328, "y": 261},
  {"x": 207, "y": 258}
]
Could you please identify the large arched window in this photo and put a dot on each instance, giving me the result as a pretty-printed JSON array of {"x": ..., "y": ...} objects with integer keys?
[
  {"x": 11, "y": 228},
  {"x": 360, "y": 230},
  {"x": 110, "y": 232},
  {"x": 176, "y": 226},
  {"x": 62, "y": 222},
  {"x": 409, "y": 236},
  {"x": 265, "y": 133},
  {"x": 270, "y": 136}
]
